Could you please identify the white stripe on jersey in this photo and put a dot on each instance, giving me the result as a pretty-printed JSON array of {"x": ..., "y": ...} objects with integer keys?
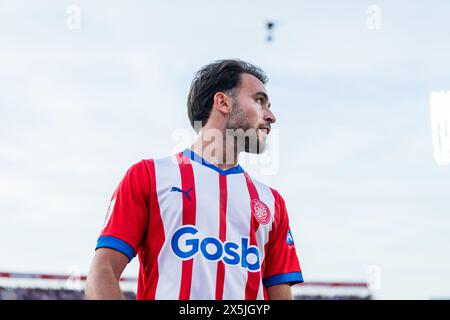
[
  {"x": 238, "y": 225},
  {"x": 167, "y": 175},
  {"x": 262, "y": 234},
  {"x": 204, "y": 272}
]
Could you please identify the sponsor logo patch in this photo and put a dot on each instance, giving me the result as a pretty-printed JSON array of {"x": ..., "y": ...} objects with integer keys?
[
  {"x": 187, "y": 243},
  {"x": 289, "y": 238}
]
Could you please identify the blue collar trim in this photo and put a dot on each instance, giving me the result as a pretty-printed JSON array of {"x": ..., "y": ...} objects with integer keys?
[{"x": 195, "y": 157}]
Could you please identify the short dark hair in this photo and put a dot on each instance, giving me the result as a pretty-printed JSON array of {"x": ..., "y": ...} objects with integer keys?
[{"x": 218, "y": 76}]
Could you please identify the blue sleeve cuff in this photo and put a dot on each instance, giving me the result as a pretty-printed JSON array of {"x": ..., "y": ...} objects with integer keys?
[
  {"x": 116, "y": 244},
  {"x": 291, "y": 278}
]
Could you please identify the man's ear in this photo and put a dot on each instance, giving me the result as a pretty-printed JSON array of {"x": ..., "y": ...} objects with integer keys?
[{"x": 222, "y": 103}]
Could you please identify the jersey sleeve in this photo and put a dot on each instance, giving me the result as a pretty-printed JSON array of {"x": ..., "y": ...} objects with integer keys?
[
  {"x": 281, "y": 262},
  {"x": 128, "y": 213}
]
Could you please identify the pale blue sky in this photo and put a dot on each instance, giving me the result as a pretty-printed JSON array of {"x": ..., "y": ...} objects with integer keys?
[{"x": 77, "y": 108}]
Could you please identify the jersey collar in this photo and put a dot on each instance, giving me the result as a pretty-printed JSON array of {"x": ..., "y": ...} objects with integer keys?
[{"x": 197, "y": 158}]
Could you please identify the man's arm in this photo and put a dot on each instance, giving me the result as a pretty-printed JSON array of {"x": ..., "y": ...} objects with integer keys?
[
  {"x": 104, "y": 274},
  {"x": 280, "y": 292}
]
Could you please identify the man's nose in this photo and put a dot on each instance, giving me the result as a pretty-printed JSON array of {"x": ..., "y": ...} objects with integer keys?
[{"x": 269, "y": 116}]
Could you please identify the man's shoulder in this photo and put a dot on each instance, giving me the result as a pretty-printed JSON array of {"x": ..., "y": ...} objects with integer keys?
[
  {"x": 265, "y": 186},
  {"x": 150, "y": 162}
]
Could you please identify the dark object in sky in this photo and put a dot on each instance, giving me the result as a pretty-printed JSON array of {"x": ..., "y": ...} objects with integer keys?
[{"x": 270, "y": 25}]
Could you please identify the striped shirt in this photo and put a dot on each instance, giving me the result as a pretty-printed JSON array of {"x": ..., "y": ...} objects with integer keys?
[{"x": 200, "y": 232}]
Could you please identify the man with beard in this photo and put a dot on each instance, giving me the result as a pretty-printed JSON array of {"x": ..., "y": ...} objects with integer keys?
[{"x": 201, "y": 226}]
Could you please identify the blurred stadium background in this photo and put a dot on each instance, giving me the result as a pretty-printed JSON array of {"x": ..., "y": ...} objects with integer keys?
[{"x": 28, "y": 286}]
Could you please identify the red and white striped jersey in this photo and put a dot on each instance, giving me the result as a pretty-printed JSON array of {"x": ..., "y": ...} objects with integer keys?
[{"x": 200, "y": 232}]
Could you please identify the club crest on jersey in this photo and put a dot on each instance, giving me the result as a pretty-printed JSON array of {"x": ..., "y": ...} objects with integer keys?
[{"x": 260, "y": 211}]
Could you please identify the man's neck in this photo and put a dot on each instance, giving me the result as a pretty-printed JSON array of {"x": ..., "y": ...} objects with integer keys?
[{"x": 216, "y": 151}]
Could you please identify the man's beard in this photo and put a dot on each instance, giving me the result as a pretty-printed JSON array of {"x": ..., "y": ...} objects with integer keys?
[{"x": 245, "y": 138}]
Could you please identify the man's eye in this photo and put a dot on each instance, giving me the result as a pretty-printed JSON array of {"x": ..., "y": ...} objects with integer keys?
[{"x": 259, "y": 100}]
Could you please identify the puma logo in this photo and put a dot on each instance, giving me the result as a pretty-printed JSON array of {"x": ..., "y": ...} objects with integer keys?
[{"x": 184, "y": 192}]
